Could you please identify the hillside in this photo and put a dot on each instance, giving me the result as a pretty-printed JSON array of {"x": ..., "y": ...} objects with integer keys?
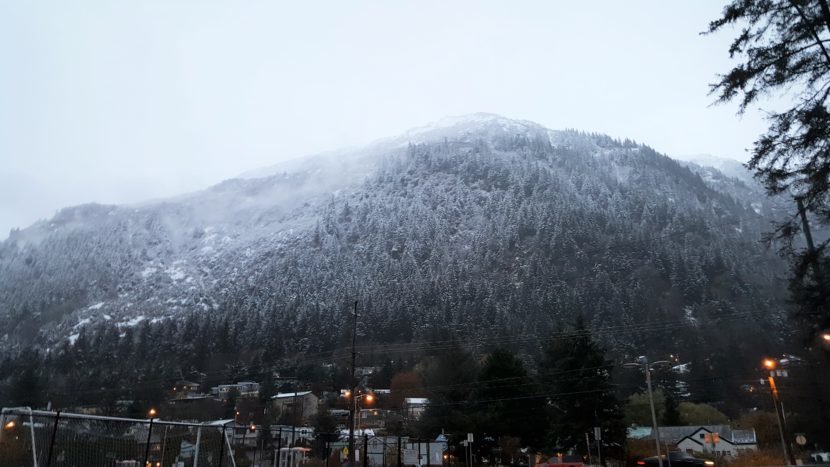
[{"x": 496, "y": 230}]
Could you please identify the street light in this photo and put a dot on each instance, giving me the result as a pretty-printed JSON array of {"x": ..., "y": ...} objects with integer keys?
[
  {"x": 771, "y": 365},
  {"x": 369, "y": 399},
  {"x": 643, "y": 364},
  {"x": 152, "y": 413}
]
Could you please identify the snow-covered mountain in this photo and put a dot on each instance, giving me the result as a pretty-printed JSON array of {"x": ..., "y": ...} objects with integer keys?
[
  {"x": 732, "y": 177},
  {"x": 481, "y": 222}
]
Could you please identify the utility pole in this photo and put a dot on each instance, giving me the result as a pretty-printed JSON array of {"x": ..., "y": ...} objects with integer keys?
[
  {"x": 771, "y": 365},
  {"x": 653, "y": 414},
  {"x": 642, "y": 363},
  {"x": 588, "y": 445},
  {"x": 354, "y": 390}
]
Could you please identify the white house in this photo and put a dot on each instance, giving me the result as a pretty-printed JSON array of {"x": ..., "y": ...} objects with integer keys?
[
  {"x": 303, "y": 404},
  {"x": 721, "y": 440},
  {"x": 242, "y": 388},
  {"x": 415, "y": 407}
]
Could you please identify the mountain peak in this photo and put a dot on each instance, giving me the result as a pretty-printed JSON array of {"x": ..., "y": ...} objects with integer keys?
[{"x": 482, "y": 123}]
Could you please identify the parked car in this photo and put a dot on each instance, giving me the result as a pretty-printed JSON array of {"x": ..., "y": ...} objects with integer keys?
[{"x": 676, "y": 459}]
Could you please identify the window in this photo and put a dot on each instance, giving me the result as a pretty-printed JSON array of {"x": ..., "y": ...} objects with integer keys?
[{"x": 702, "y": 436}]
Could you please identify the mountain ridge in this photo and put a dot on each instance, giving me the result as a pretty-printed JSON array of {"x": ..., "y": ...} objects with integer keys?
[{"x": 231, "y": 249}]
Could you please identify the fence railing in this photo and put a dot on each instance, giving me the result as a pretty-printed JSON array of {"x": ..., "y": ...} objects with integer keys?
[
  {"x": 40, "y": 438},
  {"x": 55, "y": 439}
]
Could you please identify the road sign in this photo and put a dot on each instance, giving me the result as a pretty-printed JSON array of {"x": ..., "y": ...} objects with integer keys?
[{"x": 801, "y": 440}]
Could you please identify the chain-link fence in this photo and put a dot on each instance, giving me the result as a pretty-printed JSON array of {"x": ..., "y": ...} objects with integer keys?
[{"x": 54, "y": 439}]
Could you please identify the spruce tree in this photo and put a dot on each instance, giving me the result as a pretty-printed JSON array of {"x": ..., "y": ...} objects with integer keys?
[
  {"x": 782, "y": 50},
  {"x": 576, "y": 376},
  {"x": 507, "y": 401}
]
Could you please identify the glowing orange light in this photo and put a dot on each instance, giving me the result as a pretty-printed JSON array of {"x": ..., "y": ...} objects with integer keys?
[
  {"x": 770, "y": 364},
  {"x": 152, "y": 412},
  {"x": 826, "y": 337},
  {"x": 10, "y": 425},
  {"x": 370, "y": 397}
]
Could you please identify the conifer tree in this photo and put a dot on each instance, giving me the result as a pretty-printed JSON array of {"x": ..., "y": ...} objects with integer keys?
[
  {"x": 576, "y": 375},
  {"x": 783, "y": 50}
]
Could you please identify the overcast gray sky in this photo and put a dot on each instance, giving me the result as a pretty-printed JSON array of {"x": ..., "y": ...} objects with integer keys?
[{"x": 120, "y": 102}]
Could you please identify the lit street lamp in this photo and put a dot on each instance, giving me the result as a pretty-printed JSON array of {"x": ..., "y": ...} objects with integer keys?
[
  {"x": 643, "y": 364},
  {"x": 369, "y": 398},
  {"x": 771, "y": 365}
]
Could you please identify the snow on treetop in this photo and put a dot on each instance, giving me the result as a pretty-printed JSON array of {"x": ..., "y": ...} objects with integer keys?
[{"x": 476, "y": 123}]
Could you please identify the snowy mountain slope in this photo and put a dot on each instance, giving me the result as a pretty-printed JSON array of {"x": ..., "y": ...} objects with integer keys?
[
  {"x": 731, "y": 177},
  {"x": 479, "y": 221}
]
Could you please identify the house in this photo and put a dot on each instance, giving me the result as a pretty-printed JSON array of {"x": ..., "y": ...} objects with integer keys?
[
  {"x": 415, "y": 407},
  {"x": 364, "y": 371},
  {"x": 243, "y": 389},
  {"x": 720, "y": 440},
  {"x": 373, "y": 418},
  {"x": 300, "y": 404},
  {"x": 184, "y": 387},
  {"x": 241, "y": 434}
]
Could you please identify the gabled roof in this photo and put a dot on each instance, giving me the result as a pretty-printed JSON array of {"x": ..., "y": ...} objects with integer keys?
[
  {"x": 674, "y": 434},
  {"x": 691, "y": 437}
]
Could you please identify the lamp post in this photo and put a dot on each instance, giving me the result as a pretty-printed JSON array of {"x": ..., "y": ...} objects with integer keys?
[
  {"x": 151, "y": 413},
  {"x": 354, "y": 423},
  {"x": 771, "y": 365},
  {"x": 369, "y": 398},
  {"x": 643, "y": 364}
]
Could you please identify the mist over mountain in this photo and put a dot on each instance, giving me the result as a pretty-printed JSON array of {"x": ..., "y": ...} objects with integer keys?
[{"x": 478, "y": 226}]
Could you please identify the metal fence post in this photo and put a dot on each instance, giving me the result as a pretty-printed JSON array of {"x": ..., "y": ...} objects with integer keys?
[
  {"x": 222, "y": 445},
  {"x": 400, "y": 463},
  {"x": 279, "y": 450},
  {"x": 327, "y": 452},
  {"x": 32, "y": 431},
  {"x": 365, "y": 450},
  {"x": 52, "y": 442},
  {"x": 149, "y": 438},
  {"x": 196, "y": 451},
  {"x": 429, "y": 458}
]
